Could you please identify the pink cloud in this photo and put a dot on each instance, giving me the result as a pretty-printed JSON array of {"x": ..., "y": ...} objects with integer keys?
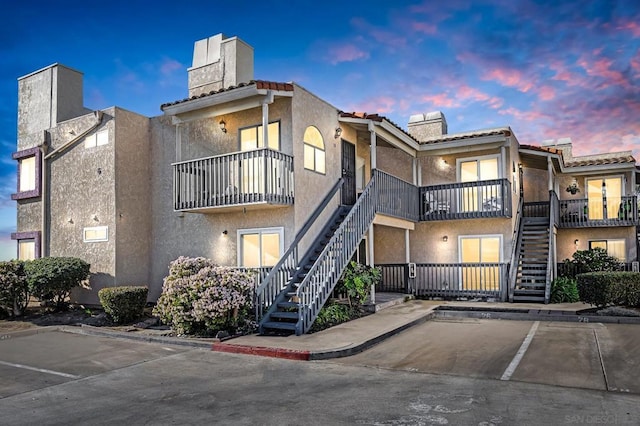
[
  {"x": 441, "y": 100},
  {"x": 546, "y": 93},
  {"x": 378, "y": 104},
  {"x": 528, "y": 116},
  {"x": 346, "y": 53},
  {"x": 168, "y": 66},
  {"x": 632, "y": 26},
  {"x": 602, "y": 68},
  {"x": 423, "y": 27},
  {"x": 509, "y": 78},
  {"x": 635, "y": 63},
  {"x": 563, "y": 74},
  {"x": 473, "y": 94}
]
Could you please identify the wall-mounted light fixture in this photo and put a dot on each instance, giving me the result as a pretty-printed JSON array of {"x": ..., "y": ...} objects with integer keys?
[
  {"x": 338, "y": 132},
  {"x": 70, "y": 220},
  {"x": 576, "y": 242},
  {"x": 95, "y": 217},
  {"x": 445, "y": 238},
  {"x": 223, "y": 126},
  {"x": 225, "y": 232}
]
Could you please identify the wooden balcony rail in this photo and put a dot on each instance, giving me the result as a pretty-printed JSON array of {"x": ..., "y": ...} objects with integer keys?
[
  {"x": 466, "y": 200},
  {"x": 396, "y": 197},
  {"x": 447, "y": 279},
  {"x": 260, "y": 176},
  {"x": 612, "y": 211}
]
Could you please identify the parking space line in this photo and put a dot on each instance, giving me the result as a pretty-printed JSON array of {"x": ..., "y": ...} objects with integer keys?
[
  {"x": 523, "y": 349},
  {"x": 40, "y": 370},
  {"x": 604, "y": 372}
]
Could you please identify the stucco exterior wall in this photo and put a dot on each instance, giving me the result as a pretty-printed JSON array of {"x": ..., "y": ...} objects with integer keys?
[
  {"x": 132, "y": 198},
  {"x": 536, "y": 185},
  {"x": 82, "y": 194},
  {"x": 395, "y": 162},
  {"x": 566, "y": 246}
]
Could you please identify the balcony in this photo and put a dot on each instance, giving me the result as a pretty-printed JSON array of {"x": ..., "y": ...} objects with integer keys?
[
  {"x": 242, "y": 180},
  {"x": 613, "y": 211},
  {"x": 466, "y": 200}
]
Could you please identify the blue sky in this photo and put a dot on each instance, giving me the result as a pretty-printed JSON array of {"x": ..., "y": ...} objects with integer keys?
[{"x": 548, "y": 69}]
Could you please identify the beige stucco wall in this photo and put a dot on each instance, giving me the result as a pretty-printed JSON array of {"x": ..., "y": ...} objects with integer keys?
[
  {"x": 536, "y": 185},
  {"x": 132, "y": 198},
  {"x": 566, "y": 246},
  {"x": 82, "y": 194}
]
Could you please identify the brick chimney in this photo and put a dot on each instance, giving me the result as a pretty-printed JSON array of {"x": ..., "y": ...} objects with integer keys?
[
  {"x": 426, "y": 126},
  {"x": 219, "y": 62}
]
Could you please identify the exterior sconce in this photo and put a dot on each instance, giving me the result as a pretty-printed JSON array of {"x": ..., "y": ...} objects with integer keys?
[
  {"x": 95, "y": 217},
  {"x": 445, "y": 238},
  {"x": 223, "y": 126},
  {"x": 70, "y": 220},
  {"x": 225, "y": 232},
  {"x": 573, "y": 188},
  {"x": 576, "y": 242},
  {"x": 338, "y": 132}
]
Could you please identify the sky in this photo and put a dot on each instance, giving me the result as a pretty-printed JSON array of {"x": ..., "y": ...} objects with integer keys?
[{"x": 548, "y": 69}]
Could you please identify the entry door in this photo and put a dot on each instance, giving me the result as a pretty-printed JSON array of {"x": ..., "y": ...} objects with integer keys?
[
  {"x": 348, "y": 173},
  {"x": 480, "y": 251},
  {"x": 596, "y": 189},
  {"x": 474, "y": 198}
]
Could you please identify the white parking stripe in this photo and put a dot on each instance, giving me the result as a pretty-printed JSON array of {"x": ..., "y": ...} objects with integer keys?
[
  {"x": 41, "y": 370},
  {"x": 523, "y": 348}
]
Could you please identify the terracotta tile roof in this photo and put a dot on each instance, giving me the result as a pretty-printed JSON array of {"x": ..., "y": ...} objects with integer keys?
[
  {"x": 467, "y": 135},
  {"x": 577, "y": 162},
  {"x": 260, "y": 84},
  {"x": 542, "y": 149},
  {"x": 374, "y": 117}
]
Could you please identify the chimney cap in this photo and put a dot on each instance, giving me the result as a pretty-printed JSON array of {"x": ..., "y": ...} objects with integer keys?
[{"x": 429, "y": 116}]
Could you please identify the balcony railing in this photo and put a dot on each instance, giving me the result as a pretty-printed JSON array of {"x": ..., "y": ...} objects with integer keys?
[
  {"x": 248, "y": 177},
  {"x": 466, "y": 200},
  {"x": 396, "y": 197},
  {"x": 447, "y": 279},
  {"x": 613, "y": 211}
]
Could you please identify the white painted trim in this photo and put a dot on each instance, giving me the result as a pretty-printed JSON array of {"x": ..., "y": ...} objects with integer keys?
[
  {"x": 95, "y": 228},
  {"x": 478, "y": 158},
  {"x": 272, "y": 230}
]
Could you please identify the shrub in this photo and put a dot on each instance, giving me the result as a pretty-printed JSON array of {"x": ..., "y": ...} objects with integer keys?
[
  {"x": 592, "y": 260},
  {"x": 356, "y": 282},
  {"x": 51, "y": 279},
  {"x": 333, "y": 314},
  {"x": 123, "y": 304},
  {"x": 610, "y": 288},
  {"x": 199, "y": 297},
  {"x": 564, "y": 290},
  {"x": 14, "y": 290}
]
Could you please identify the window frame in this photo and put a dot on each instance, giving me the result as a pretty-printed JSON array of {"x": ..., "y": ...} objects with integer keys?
[
  {"x": 19, "y": 157},
  {"x": 314, "y": 149},
  {"x": 607, "y": 241},
  {"x": 249, "y": 231},
  {"x": 256, "y": 127},
  {"x": 30, "y": 235}
]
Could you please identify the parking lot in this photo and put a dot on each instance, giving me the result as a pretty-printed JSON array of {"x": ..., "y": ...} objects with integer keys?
[{"x": 583, "y": 355}]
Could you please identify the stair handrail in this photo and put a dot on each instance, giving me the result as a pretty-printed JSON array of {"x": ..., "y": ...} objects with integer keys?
[
  {"x": 553, "y": 208},
  {"x": 279, "y": 276},
  {"x": 317, "y": 285},
  {"x": 515, "y": 249}
]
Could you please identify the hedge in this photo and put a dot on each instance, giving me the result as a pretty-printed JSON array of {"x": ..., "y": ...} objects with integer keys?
[
  {"x": 14, "y": 290},
  {"x": 610, "y": 288},
  {"x": 51, "y": 279},
  {"x": 123, "y": 304}
]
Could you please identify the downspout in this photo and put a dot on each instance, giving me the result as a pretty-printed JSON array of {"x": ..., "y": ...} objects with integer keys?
[{"x": 44, "y": 238}]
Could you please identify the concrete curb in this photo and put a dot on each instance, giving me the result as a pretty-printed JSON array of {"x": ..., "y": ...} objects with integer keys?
[
  {"x": 525, "y": 315},
  {"x": 99, "y": 331},
  {"x": 302, "y": 355},
  {"x": 28, "y": 332}
]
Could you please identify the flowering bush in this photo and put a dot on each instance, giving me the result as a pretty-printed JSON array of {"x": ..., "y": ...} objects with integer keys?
[{"x": 199, "y": 297}]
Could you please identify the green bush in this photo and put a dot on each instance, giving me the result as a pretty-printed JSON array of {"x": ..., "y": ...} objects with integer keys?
[
  {"x": 356, "y": 282},
  {"x": 199, "y": 297},
  {"x": 14, "y": 290},
  {"x": 593, "y": 260},
  {"x": 564, "y": 290},
  {"x": 123, "y": 304},
  {"x": 610, "y": 288},
  {"x": 51, "y": 279},
  {"x": 333, "y": 314}
]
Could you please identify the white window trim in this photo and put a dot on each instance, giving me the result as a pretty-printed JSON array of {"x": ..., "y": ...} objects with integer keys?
[
  {"x": 478, "y": 158},
  {"x": 273, "y": 230},
  {"x": 95, "y": 228}
]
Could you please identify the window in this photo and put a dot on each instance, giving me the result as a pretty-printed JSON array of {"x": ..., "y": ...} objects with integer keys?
[
  {"x": 260, "y": 247},
  {"x": 486, "y": 252},
  {"x": 97, "y": 139},
  {"x": 28, "y": 244},
  {"x": 480, "y": 197},
  {"x": 614, "y": 248},
  {"x": 95, "y": 234},
  {"x": 314, "y": 155},
  {"x": 597, "y": 189},
  {"x": 29, "y": 173},
  {"x": 251, "y": 138}
]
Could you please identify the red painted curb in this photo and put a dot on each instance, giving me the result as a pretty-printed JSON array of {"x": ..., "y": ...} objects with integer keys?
[{"x": 262, "y": 351}]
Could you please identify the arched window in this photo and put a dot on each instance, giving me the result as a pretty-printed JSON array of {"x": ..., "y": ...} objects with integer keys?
[{"x": 314, "y": 156}]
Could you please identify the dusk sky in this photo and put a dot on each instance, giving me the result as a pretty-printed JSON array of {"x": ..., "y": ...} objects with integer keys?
[{"x": 548, "y": 69}]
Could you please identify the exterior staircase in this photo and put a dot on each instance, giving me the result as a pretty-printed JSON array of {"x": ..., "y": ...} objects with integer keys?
[
  {"x": 282, "y": 317},
  {"x": 533, "y": 261}
]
